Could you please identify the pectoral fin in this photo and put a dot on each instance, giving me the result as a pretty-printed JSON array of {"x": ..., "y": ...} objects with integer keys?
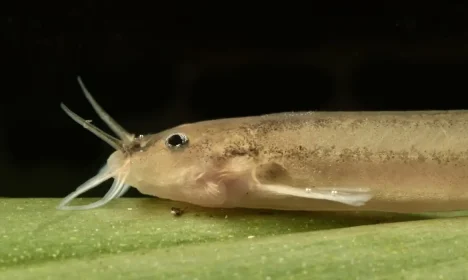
[
  {"x": 349, "y": 196},
  {"x": 273, "y": 179}
]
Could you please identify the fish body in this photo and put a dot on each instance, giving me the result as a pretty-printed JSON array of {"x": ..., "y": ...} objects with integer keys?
[{"x": 407, "y": 161}]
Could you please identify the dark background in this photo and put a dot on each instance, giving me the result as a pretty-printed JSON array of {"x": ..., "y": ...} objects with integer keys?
[{"x": 152, "y": 68}]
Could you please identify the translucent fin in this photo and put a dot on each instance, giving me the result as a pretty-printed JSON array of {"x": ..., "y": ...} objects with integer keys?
[
  {"x": 112, "y": 141},
  {"x": 125, "y": 136},
  {"x": 349, "y": 196},
  {"x": 103, "y": 175}
]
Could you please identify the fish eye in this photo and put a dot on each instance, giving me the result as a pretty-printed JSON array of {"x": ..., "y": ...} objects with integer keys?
[{"x": 176, "y": 140}]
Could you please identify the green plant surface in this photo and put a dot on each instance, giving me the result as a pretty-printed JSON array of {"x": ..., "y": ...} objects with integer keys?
[{"x": 141, "y": 239}]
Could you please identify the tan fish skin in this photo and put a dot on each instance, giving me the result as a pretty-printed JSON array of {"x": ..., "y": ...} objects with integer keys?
[{"x": 412, "y": 161}]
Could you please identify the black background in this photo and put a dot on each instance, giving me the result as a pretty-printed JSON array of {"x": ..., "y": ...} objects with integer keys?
[{"x": 153, "y": 67}]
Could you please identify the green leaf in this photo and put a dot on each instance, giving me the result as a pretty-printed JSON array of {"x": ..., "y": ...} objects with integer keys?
[{"x": 141, "y": 239}]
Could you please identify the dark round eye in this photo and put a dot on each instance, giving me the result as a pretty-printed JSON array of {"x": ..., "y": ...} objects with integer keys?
[{"x": 176, "y": 140}]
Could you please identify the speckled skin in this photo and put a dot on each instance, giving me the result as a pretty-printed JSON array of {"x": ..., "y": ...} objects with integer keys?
[{"x": 412, "y": 161}]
